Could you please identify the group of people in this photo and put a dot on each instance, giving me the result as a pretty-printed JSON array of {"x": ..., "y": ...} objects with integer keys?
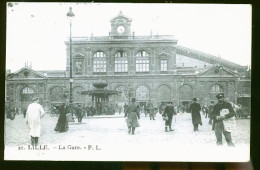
[
  {"x": 132, "y": 112},
  {"x": 218, "y": 113}
]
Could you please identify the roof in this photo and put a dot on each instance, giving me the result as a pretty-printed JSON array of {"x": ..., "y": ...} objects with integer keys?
[{"x": 121, "y": 15}]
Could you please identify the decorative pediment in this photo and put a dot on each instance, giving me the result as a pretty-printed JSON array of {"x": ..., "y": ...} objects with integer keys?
[
  {"x": 217, "y": 71},
  {"x": 25, "y": 73},
  {"x": 121, "y": 16}
]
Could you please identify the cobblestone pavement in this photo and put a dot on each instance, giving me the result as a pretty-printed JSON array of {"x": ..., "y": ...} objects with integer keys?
[{"x": 114, "y": 130}]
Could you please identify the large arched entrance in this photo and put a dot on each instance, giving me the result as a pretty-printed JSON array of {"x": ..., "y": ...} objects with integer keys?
[
  {"x": 27, "y": 94},
  {"x": 164, "y": 94},
  {"x": 142, "y": 95},
  {"x": 185, "y": 97}
]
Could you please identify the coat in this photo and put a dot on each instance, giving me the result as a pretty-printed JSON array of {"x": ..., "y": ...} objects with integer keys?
[
  {"x": 169, "y": 112},
  {"x": 216, "y": 112},
  {"x": 33, "y": 117},
  {"x": 132, "y": 115},
  {"x": 195, "y": 113},
  {"x": 62, "y": 124}
]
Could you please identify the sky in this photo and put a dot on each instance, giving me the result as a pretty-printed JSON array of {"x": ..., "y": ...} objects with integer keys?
[{"x": 36, "y": 32}]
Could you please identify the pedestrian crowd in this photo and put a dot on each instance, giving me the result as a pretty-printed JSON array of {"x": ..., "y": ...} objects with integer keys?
[{"x": 221, "y": 116}]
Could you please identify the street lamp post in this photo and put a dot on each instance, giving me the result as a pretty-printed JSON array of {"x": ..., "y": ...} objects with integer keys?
[{"x": 70, "y": 16}]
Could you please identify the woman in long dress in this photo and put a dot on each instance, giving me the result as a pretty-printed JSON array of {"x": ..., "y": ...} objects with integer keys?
[{"x": 62, "y": 124}]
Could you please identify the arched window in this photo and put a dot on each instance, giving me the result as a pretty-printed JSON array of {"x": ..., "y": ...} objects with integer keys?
[
  {"x": 99, "y": 62},
  {"x": 121, "y": 62},
  {"x": 142, "y": 61},
  {"x": 27, "y": 94},
  {"x": 142, "y": 93},
  {"x": 99, "y": 54}
]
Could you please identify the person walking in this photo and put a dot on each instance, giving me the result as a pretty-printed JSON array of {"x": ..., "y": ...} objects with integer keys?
[
  {"x": 34, "y": 114},
  {"x": 222, "y": 111},
  {"x": 79, "y": 113},
  {"x": 150, "y": 110},
  {"x": 195, "y": 114},
  {"x": 210, "y": 112},
  {"x": 132, "y": 117},
  {"x": 62, "y": 124},
  {"x": 168, "y": 115}
]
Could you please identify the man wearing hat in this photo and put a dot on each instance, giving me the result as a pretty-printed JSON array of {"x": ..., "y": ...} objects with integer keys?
[
  {"x": 132, "y": 113},
  {"x": 195, "y": 114},
  {"x": 34, "y": 114},
  {"x": 222, "y": 111},
  {"x": 168, "y": 112}
]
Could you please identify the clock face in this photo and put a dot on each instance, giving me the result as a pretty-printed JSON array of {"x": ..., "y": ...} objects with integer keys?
[{"x": 120, "y": 29}]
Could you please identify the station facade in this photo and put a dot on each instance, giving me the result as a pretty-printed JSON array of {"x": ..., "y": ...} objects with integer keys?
[{"x": 150, "y": 68}]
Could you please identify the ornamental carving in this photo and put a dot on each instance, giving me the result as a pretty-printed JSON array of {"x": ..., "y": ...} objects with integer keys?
[
  {"x": 78, "y": 66},
  {"x": 77, "y": 96}
]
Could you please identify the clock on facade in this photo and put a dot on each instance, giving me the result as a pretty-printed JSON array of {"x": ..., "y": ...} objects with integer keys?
[{"x": 120, "y": 29}]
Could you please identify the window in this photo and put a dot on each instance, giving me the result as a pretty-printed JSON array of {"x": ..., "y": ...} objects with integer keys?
[
  {"x": 216, "y": 89},
  {"x": 142, "y": 61},
  {"x": 121, "y": 66},
  {"x": 142, "y": 54},
  {"x": 27, "y": 94},
  {"x": 184, "y": 61},
  {"x": 120, "y": 54},
  {"x": 142, "y": 65},
  {"x": 163, "y": 65},
  {"x": 99, "y": 63},
  {"x": 142, "y": 93},
  {"x": 27, "y": 90},
  {"x": 99, "y": 66},
  {"x": 99, "y": 54},
  {"x": 121, "y": 62}
]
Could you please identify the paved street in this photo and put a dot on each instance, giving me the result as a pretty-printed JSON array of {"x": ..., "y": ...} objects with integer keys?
[
  {"x": 107, "y": 132},
  {"x": 115, "y": 130}
]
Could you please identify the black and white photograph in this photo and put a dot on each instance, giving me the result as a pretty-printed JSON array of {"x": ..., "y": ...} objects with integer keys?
[{"x": 128, "y": 82}]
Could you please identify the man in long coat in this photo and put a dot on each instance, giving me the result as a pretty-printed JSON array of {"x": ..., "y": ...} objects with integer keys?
[
  {"x": 34, "y": 114},
  {"x": 218, "y": 125},
  {"x": 195, "y": 114},
  {"x": 79, "y": 113},
  {"x": 132, "y": 113},
  {"x": 168, "y": 112},
  {"x": 150, "y": 110}
]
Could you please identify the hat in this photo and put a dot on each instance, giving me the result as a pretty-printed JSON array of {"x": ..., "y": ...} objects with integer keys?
[
  {"x": 194, "y": 99},
  {"x": 35, "y": 98},
  {"x": 133, "y": 99},
  {"x": 221, "y": 95}
]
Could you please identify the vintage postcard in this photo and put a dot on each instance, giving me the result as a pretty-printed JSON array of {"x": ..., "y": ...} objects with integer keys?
[{"x": 128, "y": 82}]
